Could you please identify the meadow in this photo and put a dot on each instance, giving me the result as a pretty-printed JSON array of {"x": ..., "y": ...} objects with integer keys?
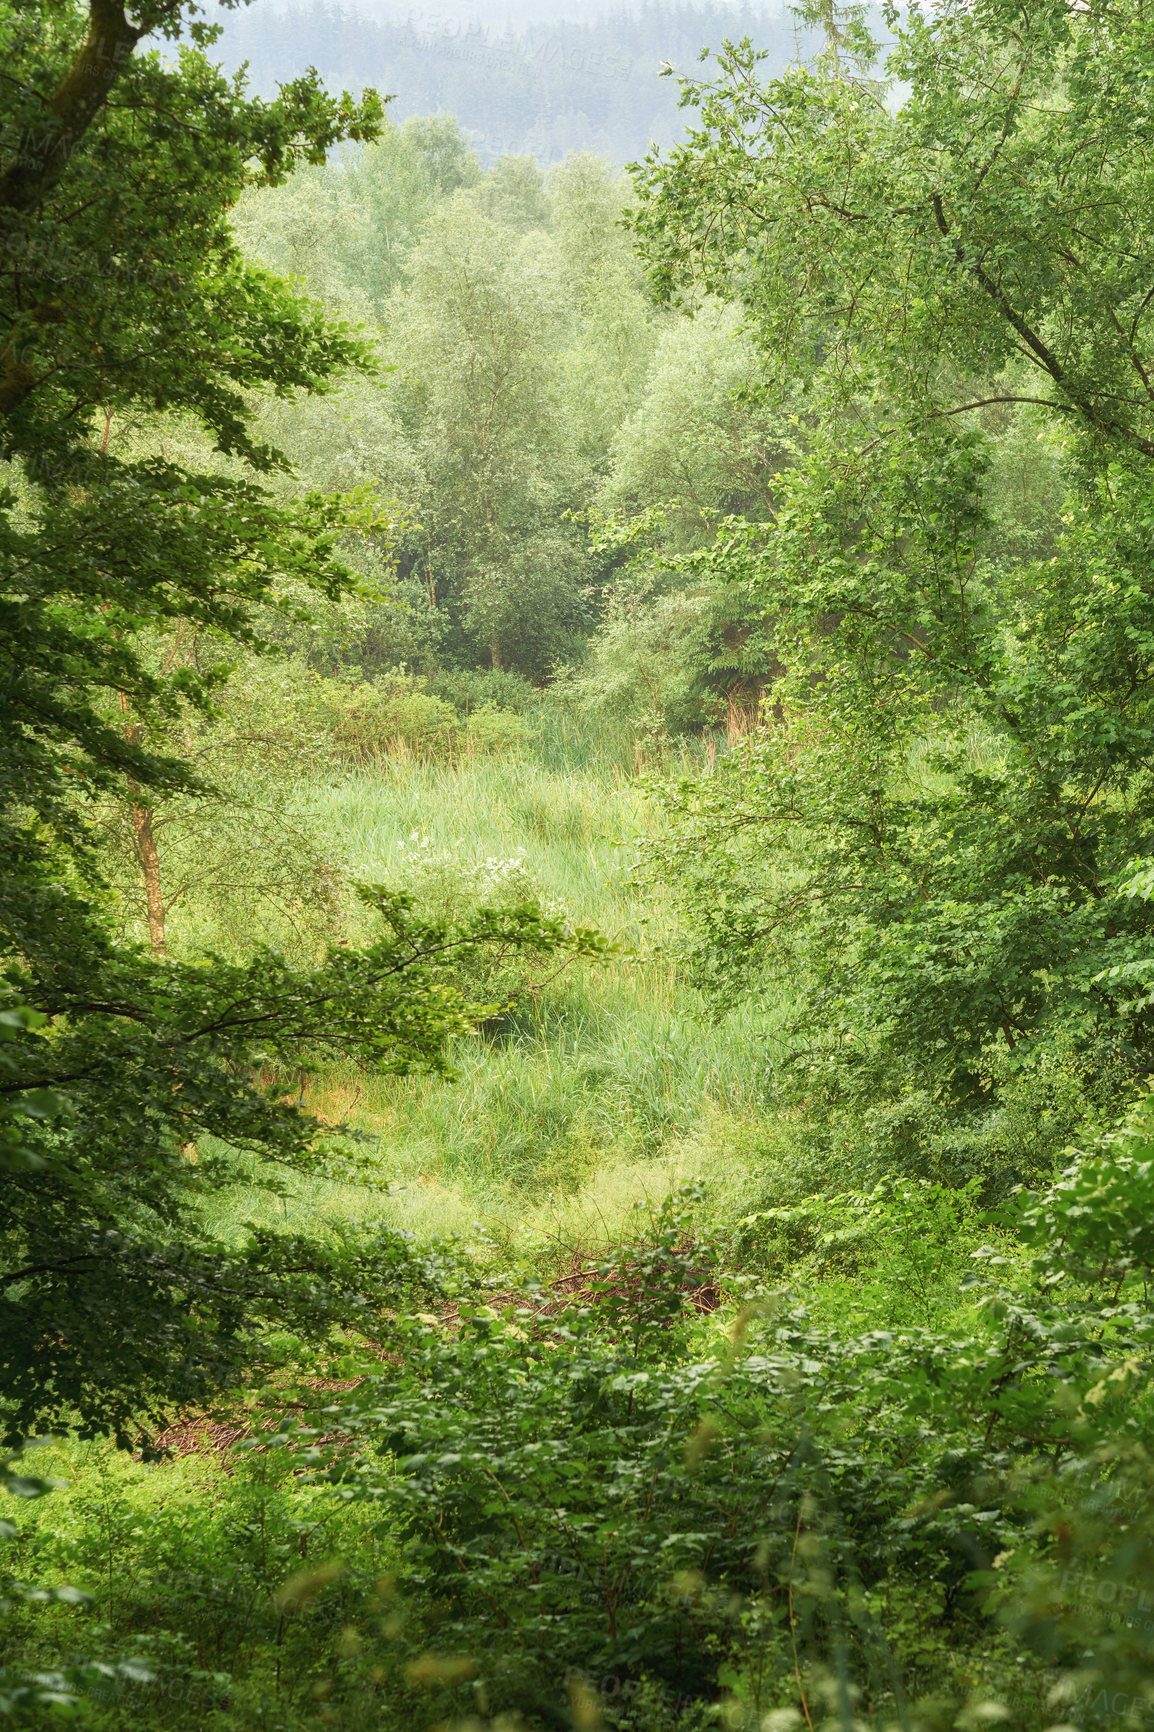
[
  {"x": 607, "y": 1084},
  {"x": 610, "y": 1153},
  {"x": 577, "y": 908},
  {"x": 602, "y": 1091}
]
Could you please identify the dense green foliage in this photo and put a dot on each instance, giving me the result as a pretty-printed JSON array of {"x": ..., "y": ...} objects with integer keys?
[
  {"x": 412, "y": 592},
  {"x": 935, "y": 835},
  {"x": 126, "y": 1060}
]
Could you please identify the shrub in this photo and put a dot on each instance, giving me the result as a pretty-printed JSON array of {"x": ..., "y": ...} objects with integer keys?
[
  {"x": 398, "y": 714},
  {"x": 469, "y": 689},
  {"x": 369, "y": 722},
  {"x": 499, "y": 731}
]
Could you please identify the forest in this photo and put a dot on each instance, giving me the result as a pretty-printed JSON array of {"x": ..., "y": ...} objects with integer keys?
[
  {"x": 542, "y": 84},
  {"x": 577, "y": 893}
]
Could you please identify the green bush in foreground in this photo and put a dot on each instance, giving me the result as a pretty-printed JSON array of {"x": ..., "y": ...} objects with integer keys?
[{"x": 655, "y": 1501}]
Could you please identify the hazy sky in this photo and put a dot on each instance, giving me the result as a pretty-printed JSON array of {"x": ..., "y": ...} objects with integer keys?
[{"x": 493, "y": 13}]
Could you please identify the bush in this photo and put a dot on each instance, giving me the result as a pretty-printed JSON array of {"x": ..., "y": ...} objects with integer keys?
[
  {"x": 499, "y": 731},
  {"x": 582, "y": 1493},
  {"x": 369, "y": 722},
  {"x": 469, "y": 689},
  {"x": 398, "y": 714}
]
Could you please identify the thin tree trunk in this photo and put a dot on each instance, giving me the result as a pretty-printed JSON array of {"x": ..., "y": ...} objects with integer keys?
[
  {"x": 145, "y": 845},
  {"x": 495, "y": 653},
  {"x": 149, "y": 861}
]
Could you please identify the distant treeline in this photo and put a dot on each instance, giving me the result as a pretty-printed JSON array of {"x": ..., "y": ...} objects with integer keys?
[{"x": 543, "y": 89}]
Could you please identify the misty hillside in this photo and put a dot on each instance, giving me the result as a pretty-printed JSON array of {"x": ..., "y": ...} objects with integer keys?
[{"x": 535, "y": 87}]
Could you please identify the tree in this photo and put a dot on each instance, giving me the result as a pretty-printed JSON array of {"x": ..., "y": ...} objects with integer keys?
[
  {"x": 998, "y": 218},
  {"x": 702, "y": 440},
  {"x": 614, "y": 326},
  {"x": 527, "y": 292},
  {"x": 235, "y": 861},
  {"x": 513, "y": 193},
  {"x": 674, "y": 649},
  {"x": 347, "y": 227},
  {"x": 123, "y": 293},
  {"x": 478, "y": 329},
  {"x": 933, "y": 842}
]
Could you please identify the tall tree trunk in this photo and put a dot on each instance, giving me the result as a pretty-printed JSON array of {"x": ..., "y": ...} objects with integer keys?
[
  {"x": 145, "y": 845},
  {"x": 149, "y": 861},
  {"x": 495, "y": 654}
]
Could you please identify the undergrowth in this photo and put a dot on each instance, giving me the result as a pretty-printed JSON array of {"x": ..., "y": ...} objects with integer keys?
[{"x": 688, "y": 1436}]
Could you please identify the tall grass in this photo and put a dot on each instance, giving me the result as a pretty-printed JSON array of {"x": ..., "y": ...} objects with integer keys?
[
  {"x": 592, "y": 1094},
  {"x": 575, "y": 828}
]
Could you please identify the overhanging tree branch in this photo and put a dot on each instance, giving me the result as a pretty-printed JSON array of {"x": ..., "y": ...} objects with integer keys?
[{"x": 46, "y": 148}]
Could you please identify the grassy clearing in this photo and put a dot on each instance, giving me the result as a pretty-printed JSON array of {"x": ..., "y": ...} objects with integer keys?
[
  {"x": 258, "y": 1600},
  {"x": 603, "y": 1089},
  {"x": 577, "y": 825}
]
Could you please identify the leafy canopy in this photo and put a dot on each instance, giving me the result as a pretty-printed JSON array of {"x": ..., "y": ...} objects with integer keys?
[
  {"x": 933, "y": 835},
  {"x": 133, "y": 1087}
]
